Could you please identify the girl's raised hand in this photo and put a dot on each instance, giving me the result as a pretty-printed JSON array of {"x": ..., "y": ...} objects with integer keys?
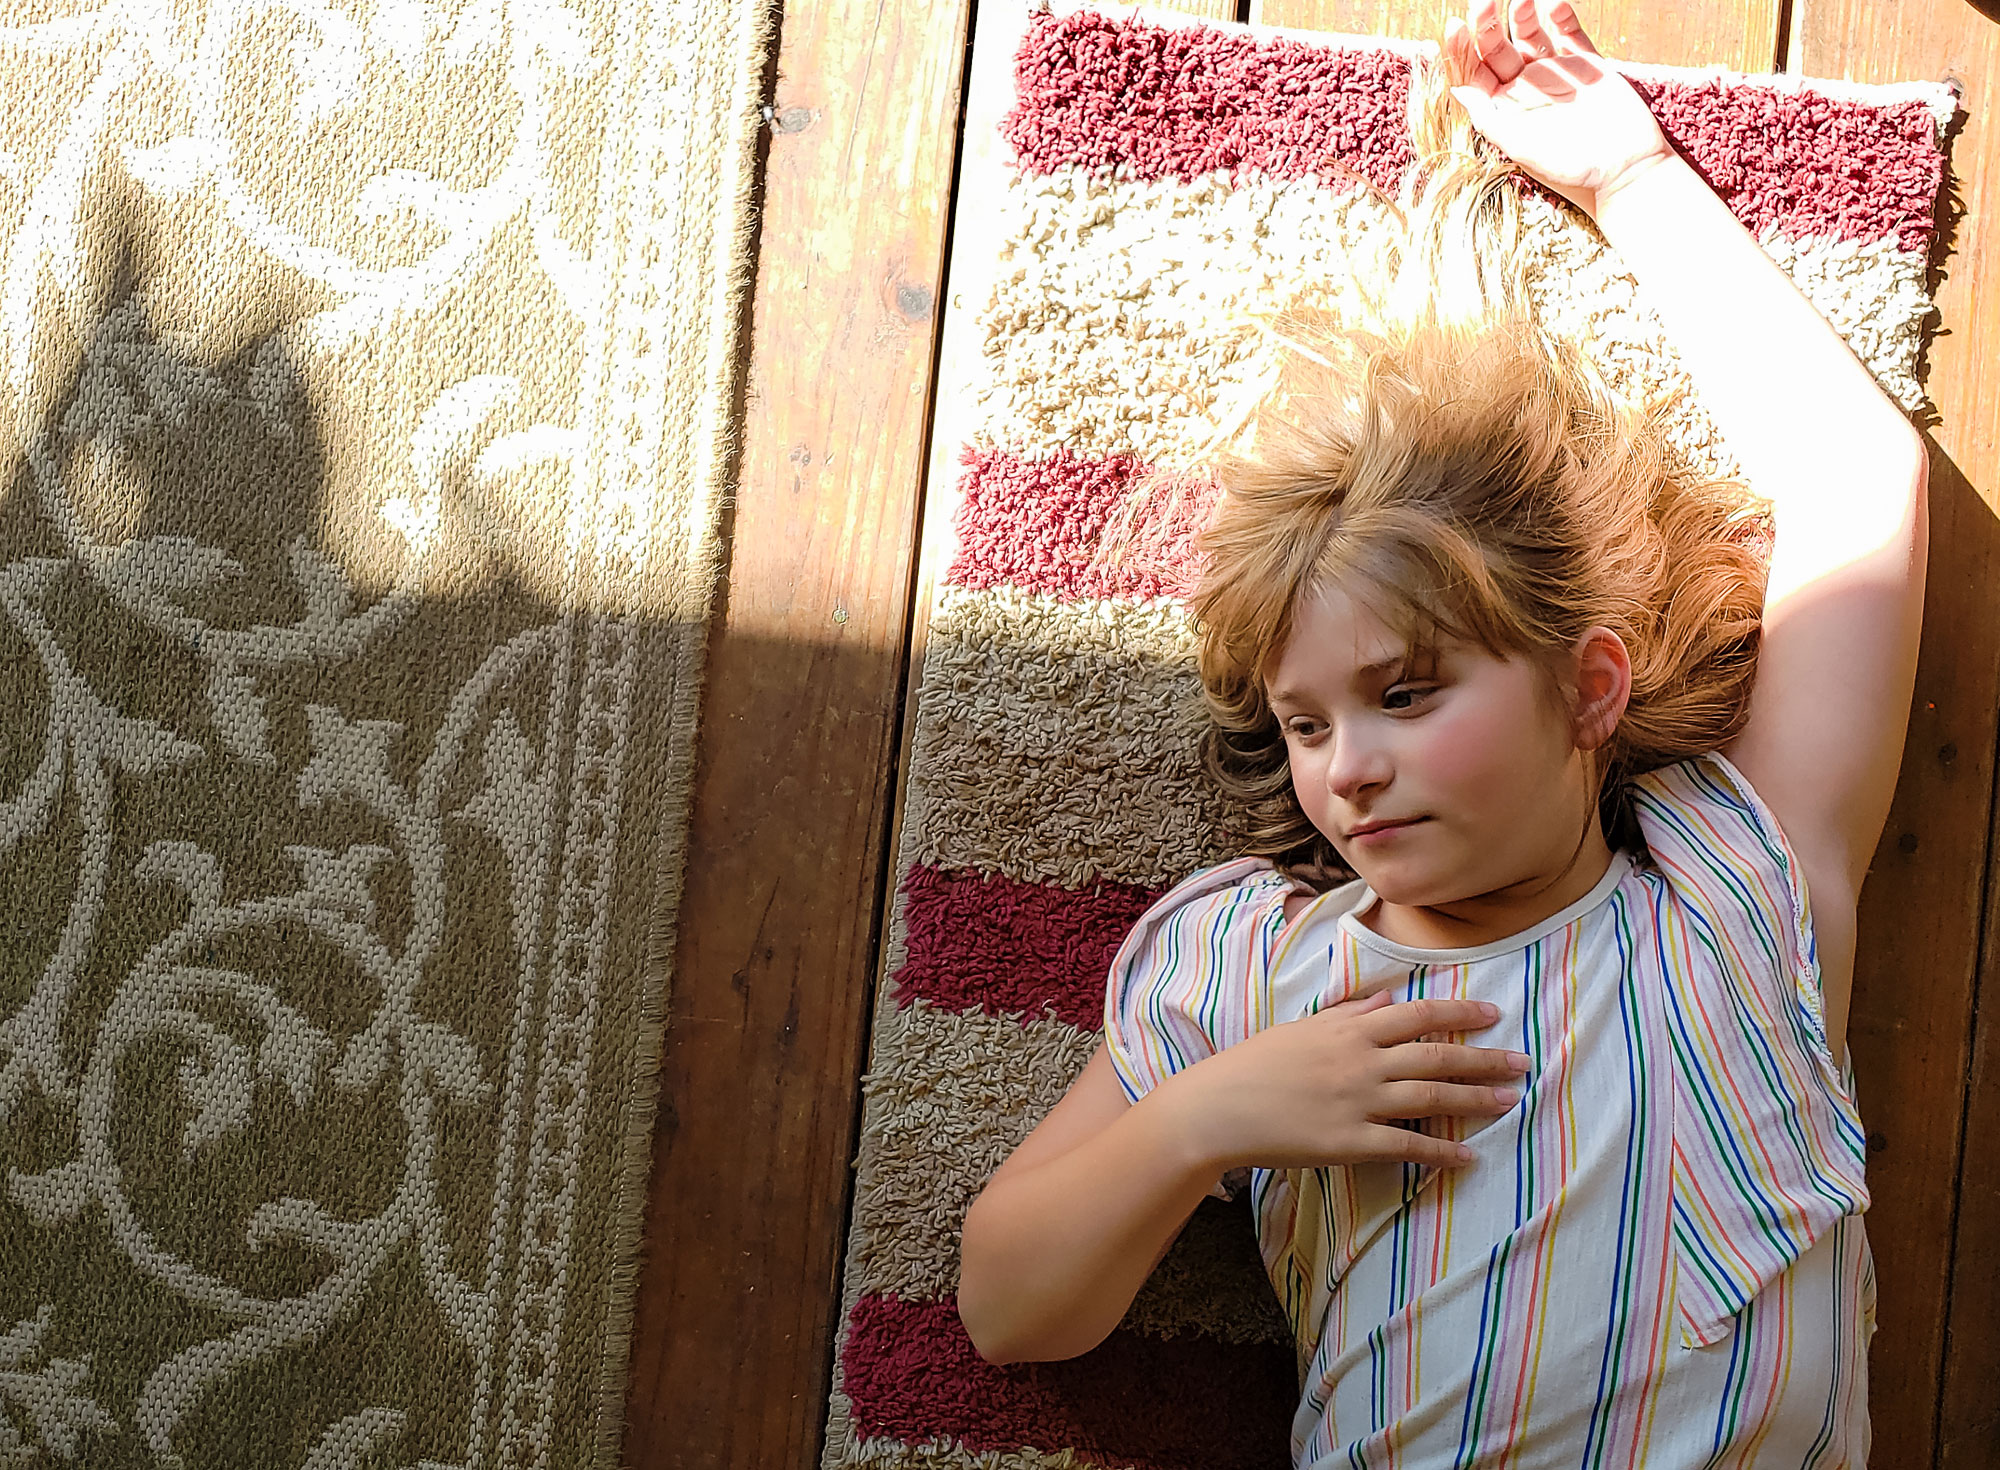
[
  {"x": 1329, "y": 1088},
  {"x": 1548, "y": 100}
]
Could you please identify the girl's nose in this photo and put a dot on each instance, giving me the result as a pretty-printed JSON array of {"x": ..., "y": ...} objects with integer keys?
[{"x": 1359, "y": 765}]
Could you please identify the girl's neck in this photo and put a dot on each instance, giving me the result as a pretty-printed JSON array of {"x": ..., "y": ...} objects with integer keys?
[{"x": 1483, "y": 918}]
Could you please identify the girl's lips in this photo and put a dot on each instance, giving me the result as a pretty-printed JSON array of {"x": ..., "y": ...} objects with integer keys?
[{"x": 1375, "y": 834}]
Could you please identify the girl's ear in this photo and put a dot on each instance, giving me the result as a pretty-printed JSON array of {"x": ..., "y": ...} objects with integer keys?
[{"x": 1603, "y": 687}]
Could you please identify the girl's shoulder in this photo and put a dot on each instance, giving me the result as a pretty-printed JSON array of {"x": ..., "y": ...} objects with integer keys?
[
  {"x": 1245, "y": 875},
  {"x": 1744, "y": 1010},
  {"x": 1189, "y": 978},
  {"x": 1706, "y": 829},
  {"x": 1198, "y": 922},
  {"x": 1708, "y": 778},
  {"x": 1728, "y": 867}
]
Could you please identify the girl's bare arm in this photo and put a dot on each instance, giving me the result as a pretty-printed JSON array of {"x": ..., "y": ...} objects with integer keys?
[
  {"x": 1070, "y": 1226},
  {"x": 1846, "y": 474},
  {"x": 1840, "y": 462}
]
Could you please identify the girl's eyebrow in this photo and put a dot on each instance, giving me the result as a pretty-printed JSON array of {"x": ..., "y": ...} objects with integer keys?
[{"x": 1395, "y": 662}]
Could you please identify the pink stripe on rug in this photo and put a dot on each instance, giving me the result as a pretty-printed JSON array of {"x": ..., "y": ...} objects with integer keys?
[
  {"x": 1175, "y": 102},
  {"x": 979, "y": 941},
  {"x": 1188, "y": 1403},
  {"x": 1039, "y": 523}
]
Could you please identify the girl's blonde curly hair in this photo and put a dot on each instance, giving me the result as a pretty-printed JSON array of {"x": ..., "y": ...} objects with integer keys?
[{"x": 1465, "y": 474}]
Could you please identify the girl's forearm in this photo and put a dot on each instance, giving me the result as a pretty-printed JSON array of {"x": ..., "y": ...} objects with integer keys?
[
  {"x": 1052, "y": 1257},
  {"x": 1800, "y": 412}
]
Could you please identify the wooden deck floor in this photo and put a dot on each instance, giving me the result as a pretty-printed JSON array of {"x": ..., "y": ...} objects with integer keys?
[{"x": 810, "y": 676}]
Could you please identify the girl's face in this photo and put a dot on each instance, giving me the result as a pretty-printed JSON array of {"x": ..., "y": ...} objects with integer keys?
[{"x": 1455, "y": 780}]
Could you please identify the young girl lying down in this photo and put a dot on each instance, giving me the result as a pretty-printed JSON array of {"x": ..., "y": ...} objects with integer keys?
[{"x": 1525, "y": 1010}]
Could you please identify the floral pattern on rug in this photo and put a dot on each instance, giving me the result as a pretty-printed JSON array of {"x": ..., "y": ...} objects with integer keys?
[{"x": 367, "y": 377}]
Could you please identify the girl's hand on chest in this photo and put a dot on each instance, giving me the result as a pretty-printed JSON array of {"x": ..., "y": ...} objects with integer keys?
[{"x": 1330, "y": 1088}]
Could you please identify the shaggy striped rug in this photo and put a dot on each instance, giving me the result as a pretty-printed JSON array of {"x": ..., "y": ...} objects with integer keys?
[
  {"x": 1130, "y": 187},
  {"x": 368, "y": 383}
]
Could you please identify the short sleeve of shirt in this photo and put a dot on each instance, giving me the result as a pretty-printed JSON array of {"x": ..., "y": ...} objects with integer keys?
[
  {"x": 1193, "y": 976},
  {"x": 1731, "y": 867},
  {"x": 1768, "y": 1146}
]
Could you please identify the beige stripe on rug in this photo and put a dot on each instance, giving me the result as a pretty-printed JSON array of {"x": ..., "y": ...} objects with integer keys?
[{"x": 368, "y": 374}]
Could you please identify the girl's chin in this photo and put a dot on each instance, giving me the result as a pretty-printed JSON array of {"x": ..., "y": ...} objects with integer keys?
[
  {"x": 1405, "y": 884},
  {"x": 1411, "y": 884},
  {"x": 1412, "y": 895}
]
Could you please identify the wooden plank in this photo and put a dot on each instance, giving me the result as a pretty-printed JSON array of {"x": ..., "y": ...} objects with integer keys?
[
  {"x": 776, "y": 953},
  {"x": 1915, "y": 969},
  {"x": 1911, "y": 1044},
  {"x": 1741, "y": 36},
  {"x": 1921, "y": 910},
  {"x": 1969, "y": 1417}
]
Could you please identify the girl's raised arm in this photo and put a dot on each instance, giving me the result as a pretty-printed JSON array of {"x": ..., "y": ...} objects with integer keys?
[{"x": 1843, "y": 467}]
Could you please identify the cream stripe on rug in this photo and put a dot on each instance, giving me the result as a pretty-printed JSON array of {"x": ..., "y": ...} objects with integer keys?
[{"x": 368, "y": 371}]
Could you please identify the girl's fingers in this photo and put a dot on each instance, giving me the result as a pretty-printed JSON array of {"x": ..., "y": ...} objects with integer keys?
[
  {"x": 1526, "y": 18},
  {"x": 1374, "y": 1001},
  {"x": 1443, "y": 1100},
  {"x": 1569, "y": 28},
  {"x": 1454, "y": 51},
  {"x": 1467, "y": 71},
  {"x": 1407, "y": 1020},
  {"x": 1489, "y": 38},
  {"x": 1430, "y": 1061},
  {"x": 1405, "y": 1145}
]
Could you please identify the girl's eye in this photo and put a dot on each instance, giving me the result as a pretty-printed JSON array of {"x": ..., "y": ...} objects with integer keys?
[
  {"x": 1302, "y": 729},
  {"x": 1410, "y": 692}
]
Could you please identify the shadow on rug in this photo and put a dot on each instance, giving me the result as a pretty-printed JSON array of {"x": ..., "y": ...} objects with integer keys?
[{"x": 367, "y": 382}]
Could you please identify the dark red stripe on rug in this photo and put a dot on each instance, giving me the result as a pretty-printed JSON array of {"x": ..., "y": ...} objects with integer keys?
[
  {"x": 980, "y": 941},
  {"x": 1806, "y": 163},
  {"x": 1175, "y": 102},
  {"x": 1039, "y": 523},
  {"x": 1187, "y": 1403}
]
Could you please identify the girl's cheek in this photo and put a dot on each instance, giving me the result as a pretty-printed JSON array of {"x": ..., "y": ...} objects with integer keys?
[
  {"x": 1469, "y": 748},
  {"x": 1450, "y": 745},
  {"x": 1309, "y": 785}
]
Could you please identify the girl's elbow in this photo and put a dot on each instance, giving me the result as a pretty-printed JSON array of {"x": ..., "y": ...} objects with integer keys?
[
  {"x": 988, "y": 1347},
  {"x": 973, "y": 1312},
  {"x": 987, "y": 1335}
]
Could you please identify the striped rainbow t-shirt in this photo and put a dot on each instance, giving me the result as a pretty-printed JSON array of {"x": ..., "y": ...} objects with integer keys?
[{"x": 1657, "y": 1258}]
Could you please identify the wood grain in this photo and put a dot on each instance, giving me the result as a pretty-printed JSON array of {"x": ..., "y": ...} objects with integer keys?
[
  {"x": 1914, "y": 1000},
  {"x": 1921, "y": 910},
  {"x": 1741, "y": 36},
  {"x": 776, "y": 953}
]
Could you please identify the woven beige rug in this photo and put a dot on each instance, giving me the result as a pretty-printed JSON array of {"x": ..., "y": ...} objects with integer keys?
[{"x": 367, "y": 374}]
